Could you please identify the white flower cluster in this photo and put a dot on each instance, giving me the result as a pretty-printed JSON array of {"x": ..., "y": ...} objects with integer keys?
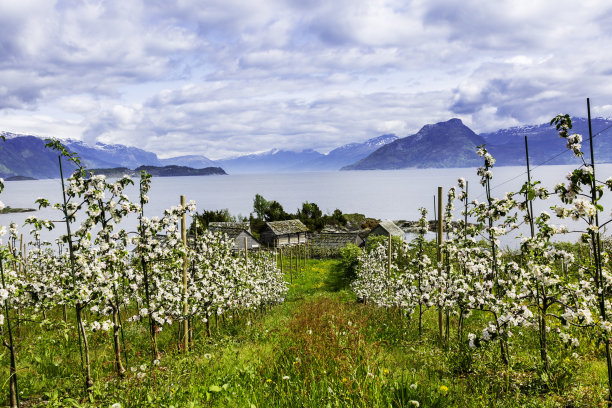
[
  {"x": 477, "y": 276},
  {"x": 100, "y": 269}
]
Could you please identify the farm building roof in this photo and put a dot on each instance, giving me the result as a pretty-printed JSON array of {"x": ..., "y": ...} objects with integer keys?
[
  {"x": 235, "y": 225},
  {"x": 391, "y": 228},
  {"x": 335, "y": 239},
  {"x": 286, "y": 227},
  {"x": 232, "y": 233}
]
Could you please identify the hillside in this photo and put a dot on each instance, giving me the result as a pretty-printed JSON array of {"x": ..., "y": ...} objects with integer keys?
[
  {"x": 306, "y": 160},
  {"x": 444, "y": 144},
  {"x": 26, "y": 156},
  {"x": 545, "y": 145},
  {"x": 163, "y": 171},
  {"x": 271, "y": 161},
  {"x": 452, "y": 144}
]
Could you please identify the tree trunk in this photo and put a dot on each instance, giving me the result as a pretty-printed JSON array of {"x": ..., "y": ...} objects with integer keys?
[
  {"x": 88, "y": 380},
  {"x": 117, "y": 344}
]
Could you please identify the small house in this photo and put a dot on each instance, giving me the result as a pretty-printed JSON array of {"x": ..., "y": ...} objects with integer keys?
[
  {"x": 238, "y": 235},
  {"x": 387, "y": 228},
  {"x": 280, "y": 233}
]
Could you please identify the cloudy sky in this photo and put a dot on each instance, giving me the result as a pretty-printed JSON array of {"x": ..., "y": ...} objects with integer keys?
[{"x": 228, "y": 77}]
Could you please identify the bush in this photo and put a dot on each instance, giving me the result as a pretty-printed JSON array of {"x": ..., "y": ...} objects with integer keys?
[{"x": 349, "y": 258}]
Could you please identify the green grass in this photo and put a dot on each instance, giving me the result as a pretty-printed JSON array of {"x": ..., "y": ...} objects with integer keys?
[{"x": 320, "y": 348}]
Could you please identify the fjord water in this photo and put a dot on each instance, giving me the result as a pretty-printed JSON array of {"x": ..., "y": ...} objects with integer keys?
[{"x": 384, "y": 194}]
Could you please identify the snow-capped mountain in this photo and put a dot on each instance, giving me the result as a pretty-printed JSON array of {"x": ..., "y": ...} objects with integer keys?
[
  {"x": 112, "y": 155},
  {"x": 307, "y": 160},
  {"x": 26, "y": 155},
  {"x": 452, "y": 144},
  {"x": 271, "y": 161}
]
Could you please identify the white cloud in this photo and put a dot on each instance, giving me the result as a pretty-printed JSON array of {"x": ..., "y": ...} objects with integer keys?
[{"x": 225, "y": 77}]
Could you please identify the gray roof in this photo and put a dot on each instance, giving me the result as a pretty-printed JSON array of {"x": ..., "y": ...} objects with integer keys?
[
  {"x": 391, "y": 228},
  {"x": 286, "y": 227},
  {"x": 236, "y": 225},
  {"x": 232, "y": 233},
  {"x": 335, "y": 239}
]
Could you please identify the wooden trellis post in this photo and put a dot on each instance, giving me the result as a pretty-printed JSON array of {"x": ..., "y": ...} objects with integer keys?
[
  {"x": 246, "y": 255},
  {"x": 185, "y": 301},
  {"x": 440, "y": 237}
]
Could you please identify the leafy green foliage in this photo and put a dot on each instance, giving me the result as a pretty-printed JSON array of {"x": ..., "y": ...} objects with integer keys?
[
  {"x": 205, "y": 217},
  {"x": 349, "y": 259},
  {"x": 260, "y": 205}
]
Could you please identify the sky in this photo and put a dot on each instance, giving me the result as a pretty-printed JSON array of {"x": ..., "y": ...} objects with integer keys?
[{"x": 223, "y": 78}]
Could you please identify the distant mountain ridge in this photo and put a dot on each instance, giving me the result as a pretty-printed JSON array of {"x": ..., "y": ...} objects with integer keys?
[
  {"x": 26, "y": 155},
  {"x": 111, "y": 155},
  {"x": 452, "y": 144},
  {"x": 444, "y": 144},
  {"x": 307, "y": 160},
  {"x": 164, "y": 171},
  {"x": 545, "y": 145},
  {"x": 271, "y": 161}
]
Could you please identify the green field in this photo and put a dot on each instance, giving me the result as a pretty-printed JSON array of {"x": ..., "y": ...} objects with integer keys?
[{"x": 321, "y": 348}]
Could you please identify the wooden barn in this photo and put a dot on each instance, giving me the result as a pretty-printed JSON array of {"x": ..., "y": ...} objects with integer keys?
[
  {"x": 334, "y": 240},
  {"x": 387, "y": 228},
  {"x": 236, "y": 234},
  {"x": 280, "y": 233}
]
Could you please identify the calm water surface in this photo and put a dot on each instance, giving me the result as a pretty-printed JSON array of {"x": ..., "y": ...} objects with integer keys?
[{"x": 384, "y": 194}]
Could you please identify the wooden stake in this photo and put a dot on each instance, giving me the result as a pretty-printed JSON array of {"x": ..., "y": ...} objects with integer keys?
[
  {"x": 246, "y": 255},
  {"x": 389, "y": 266},
  {"x": 185, "y": 301},
  {"x": 439, "y": 246},
  {"x": 466, "y": 209}
]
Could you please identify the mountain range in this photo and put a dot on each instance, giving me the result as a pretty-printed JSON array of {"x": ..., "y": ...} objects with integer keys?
[
  {"x": 452, "y": 144},
  {"x": 444, "y": 144},
  {"x": 307, "y": 160},
  {"x": 26, "y": 155}
]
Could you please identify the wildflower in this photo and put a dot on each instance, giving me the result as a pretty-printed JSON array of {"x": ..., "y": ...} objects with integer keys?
[
  {"x": 116, "y": 405},
  {"x": 207, "y": 356},
  {"x": 443, "y": 389},
  {"x": 415, "y": 403},
  {"x": 385, "y": 371},
  {"x": 285, "y": 377},
  {"x": 413, "y": 386},
  {"x": 268, "y": 380}
]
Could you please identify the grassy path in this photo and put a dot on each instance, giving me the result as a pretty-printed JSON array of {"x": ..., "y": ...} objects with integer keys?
[{"x": 321, "y": 348}]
